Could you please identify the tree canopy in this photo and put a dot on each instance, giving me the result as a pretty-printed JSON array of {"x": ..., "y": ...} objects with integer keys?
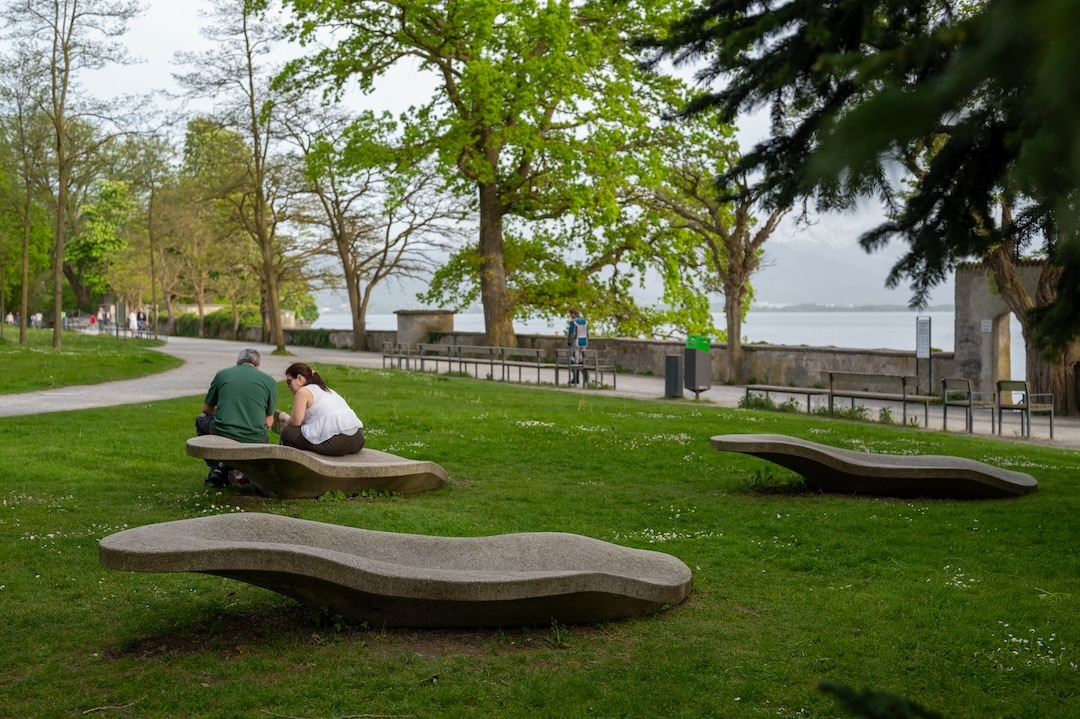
[
  {"x": 540, "y": 114},
  {"x": 853, "y": 87}
]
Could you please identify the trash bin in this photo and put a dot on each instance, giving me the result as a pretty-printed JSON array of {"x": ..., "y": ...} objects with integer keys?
[
  {"x": 698, "y": 366},
  {"x": 673, "y": 376}
]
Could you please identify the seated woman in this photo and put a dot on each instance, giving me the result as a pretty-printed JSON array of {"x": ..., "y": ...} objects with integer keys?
[{"x": 321, "y": 421}]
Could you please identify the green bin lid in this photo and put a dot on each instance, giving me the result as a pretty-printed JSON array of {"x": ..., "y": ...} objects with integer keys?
[{"x": 698, "y": 342}]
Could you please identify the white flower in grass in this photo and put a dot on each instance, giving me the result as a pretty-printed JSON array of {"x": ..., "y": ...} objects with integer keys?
[
  {"x": 1015, "y": 462},
  {"x": 527, "y": 423},
  {"x": 397, "y": 447},
  {"x": 1031, "y": 651},
  {"x": 959, "y": 579},
  {"x": 669, "y": 438}
]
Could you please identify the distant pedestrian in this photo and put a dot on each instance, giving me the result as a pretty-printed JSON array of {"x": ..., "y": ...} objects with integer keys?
[{"x": 577, "y": 339}]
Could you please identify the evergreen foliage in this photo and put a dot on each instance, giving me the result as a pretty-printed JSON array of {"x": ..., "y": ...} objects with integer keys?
[{"x": 855, "y": 88}]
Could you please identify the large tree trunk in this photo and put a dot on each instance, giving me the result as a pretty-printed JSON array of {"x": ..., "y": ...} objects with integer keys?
[
  {"x": 273, "y": 299},
  {"x": 493, "y": 291},
  {"x": 24, "y": 300},
  {"x": 61, "y": 221},
  {"x": 81, "y": 292},
  {"x": 733, "y": 320},
  {"x": 170, "y": 307},
  {"x": 1055, "y": 376},
  {"x": 358, "y": 305}
]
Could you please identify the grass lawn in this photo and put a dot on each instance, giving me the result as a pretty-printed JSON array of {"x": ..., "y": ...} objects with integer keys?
[
  {"x": 82, "y": 359},
  {"x": 969, "y": 608}
]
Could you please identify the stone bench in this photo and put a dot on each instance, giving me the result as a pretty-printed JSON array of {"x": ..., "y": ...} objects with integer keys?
[
  {"x": 407, "y": 580},
  {"x": 844, "y": 471},
  {"x": 290, "y": 473}
]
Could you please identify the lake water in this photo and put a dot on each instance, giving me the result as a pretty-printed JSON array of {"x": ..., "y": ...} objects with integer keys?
[{"x": 859, "y": 330}]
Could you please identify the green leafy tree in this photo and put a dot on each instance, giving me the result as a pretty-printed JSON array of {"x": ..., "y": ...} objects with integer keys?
[
  {"x": 212, "y": 247},
  {"x": 377, "y": 208},
  {"x": 25, "y": 146},
  {"x": 72, "y": 37},
  {"x": 140, "y": 274},
  {"x": 234, "y": 73},
  {"x": 723, "y": 239},
  {"x": 539, "y": 111},
  {"x": 101, "y": 236},
  {"x": 853, "y": 87}
]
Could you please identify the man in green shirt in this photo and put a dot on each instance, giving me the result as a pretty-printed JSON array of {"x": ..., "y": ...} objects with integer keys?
[{"x": 240, "y": 405}]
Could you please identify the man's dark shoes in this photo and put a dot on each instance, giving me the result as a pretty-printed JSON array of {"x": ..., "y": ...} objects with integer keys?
[{"x": 217, "y": 479}]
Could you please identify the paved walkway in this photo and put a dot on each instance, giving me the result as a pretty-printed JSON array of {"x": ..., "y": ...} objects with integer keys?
[{"x": 202, "y": 358}]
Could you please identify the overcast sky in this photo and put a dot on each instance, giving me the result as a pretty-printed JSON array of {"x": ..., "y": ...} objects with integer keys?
[{"x": 169, "y": 26}]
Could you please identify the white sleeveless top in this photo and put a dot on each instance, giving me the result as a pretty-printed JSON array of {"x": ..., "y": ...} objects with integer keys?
[{"x": 329, "y": 414}]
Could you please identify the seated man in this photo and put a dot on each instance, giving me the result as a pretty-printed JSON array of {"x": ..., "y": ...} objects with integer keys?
[{"x": 239, "y": 405}]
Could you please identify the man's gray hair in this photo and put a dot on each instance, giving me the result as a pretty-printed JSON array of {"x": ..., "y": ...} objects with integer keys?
[{"x": 249, "y": 356}]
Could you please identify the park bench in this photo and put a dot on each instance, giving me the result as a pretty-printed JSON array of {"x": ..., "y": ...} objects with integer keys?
[
  {"x": 470, "y": 359},
  {"x": 477, "y": 356},
  {"x": 845, "y": 471},
  {"x": 433, "y": 355},
  {"x": 522, "y": 358},
  {"x": 390, "y": 579},
  {"x": 767, "y": 389},
  {"x": 879, "y": 388},
  {"x": 591, "y": 362},
  {"x": 959, "y": 392},
  {"x": 288, "y": 473},
  {"x": 1014, "y": 396},
  {"x": 396, "y": 353}
]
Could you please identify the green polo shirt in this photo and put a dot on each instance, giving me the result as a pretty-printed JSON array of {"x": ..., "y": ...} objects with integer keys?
[{"x": 243, "y": 397}]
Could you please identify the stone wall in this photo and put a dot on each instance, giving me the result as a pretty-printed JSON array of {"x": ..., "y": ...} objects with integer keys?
[{"x": 762, "y": 364}]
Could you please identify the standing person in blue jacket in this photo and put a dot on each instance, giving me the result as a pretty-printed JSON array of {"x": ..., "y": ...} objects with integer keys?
[{"x": 577, "y": 339}]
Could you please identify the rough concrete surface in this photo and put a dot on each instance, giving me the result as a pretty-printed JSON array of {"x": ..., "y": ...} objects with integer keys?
[
  {"x": 290, "y": 473},
  {"x": 406, "y": 580},
  {"x": 834, "y": 470}
]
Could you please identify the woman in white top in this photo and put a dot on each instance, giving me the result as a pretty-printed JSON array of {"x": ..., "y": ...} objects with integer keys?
[{"x": 321, "y": 421}]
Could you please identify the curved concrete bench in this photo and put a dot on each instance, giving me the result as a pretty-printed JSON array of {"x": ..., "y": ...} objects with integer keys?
[
  {"x": 410, "y": 580},
  {"x": 830, "y": 469},
  {"x": 290, "y": 473}
]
